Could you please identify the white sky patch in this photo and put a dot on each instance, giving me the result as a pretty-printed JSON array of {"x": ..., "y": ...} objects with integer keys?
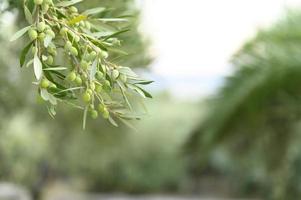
[{"x": 197, "y": 37}]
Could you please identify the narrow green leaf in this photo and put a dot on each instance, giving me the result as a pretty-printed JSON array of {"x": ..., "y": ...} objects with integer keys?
[
  {"x": 28, "y": 15},
  {"x": 115, "y": 34},
  {"x": 44, "y": 94},
  {"x": 24, "y": 52},
  {"x": 127, "y": 71},
  {"x": 112, "y": 20},
  {"x": 112, "y": 121},
  {"x": 144, "y": 82},
  {"x": 19, "y": 33},
  {"x": 85, "y": 117},
  {"x": 68, "y": 3},
  {"x": 145, "y": 92},
  {"x": 93, "y": 69},
  {"x": 94, "y": 11},
  {"x": 55, "y": 69},
  {"x": 37, "y": 66}
]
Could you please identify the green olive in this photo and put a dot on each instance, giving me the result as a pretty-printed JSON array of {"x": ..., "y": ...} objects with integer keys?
[
  {"x": 84, "y": 65},
  {"x": 33, "y": 34},
  {"x": 41, "y": 26},
  {"x": 104, "y": 54},
  {"x": 38, "y": 2},
  {"x": 44, "y": 83},
  {"x": 123, "y": 78},
  {"x": 52, "y": 51},
  {"x": 68, "y": 45},
  {"x": 50, "y": 33},
  {"x": 45, "y": 8},
  {"x": 106, "y": 113},
  {"x": 73, "y": 51},
  {"x": 89, "y": 91},
  {"x": 73, "y": 9},
  {"x": 71, "y": 76},
  {"x": 76, "y": 38},
  {"x": 52, "y": 85},
  {"x": 78, "y": 80},
  {"x": 92, "y": 86},
  {"x": 41, "y": 37},
  {"x": 107, "y": 83},
  {"x": 115, "y": 74},
  {"x": 49, "y": 60},
  {"x": 34, "y": 50},
  {"x": 63, "y": 31},
  {"x": 94, "y": 114},
  {"x": 98, "y": 88},
  {"x": 99, "y": 75},
  {"x": 101, "y": 108},
  {"x": 92, "y": 55},
  {"x": 86, "y": 97}
]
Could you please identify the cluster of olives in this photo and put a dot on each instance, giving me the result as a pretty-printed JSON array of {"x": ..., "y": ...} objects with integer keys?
[
  {"x": 90, "y": 78},
  {"x": 45, "y": 4}
]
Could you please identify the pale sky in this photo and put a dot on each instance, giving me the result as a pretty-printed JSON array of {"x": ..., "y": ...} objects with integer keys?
[{"x": 192, "y": 40}]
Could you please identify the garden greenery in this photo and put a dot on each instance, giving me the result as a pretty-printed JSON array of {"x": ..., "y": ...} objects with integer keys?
[{"x": 70, "y": 54}]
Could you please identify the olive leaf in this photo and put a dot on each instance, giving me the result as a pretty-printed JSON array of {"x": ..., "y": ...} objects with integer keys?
[
  {"x": 19, "y": 33},
  {"x": 68, "y": 3},
  {"x": 94, "y": 11},
  {"x": 23, "y": 54},
  {"x": 28, "y": 15},
  {"x": 37, "y": 66}
]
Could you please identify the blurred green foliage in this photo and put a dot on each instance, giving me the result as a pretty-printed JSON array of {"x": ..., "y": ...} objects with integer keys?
[{"x": 252, "y": 131}]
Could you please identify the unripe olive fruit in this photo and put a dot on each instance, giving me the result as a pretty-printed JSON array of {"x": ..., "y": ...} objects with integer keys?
[
  {"x": 73, "y": 9},
  {"x": 34, "y": 50},
  {"x": 123, "y": 78},
  {"x": 89, "y": 91},
  {"x": 44, "y": 83},
  {"x": 41, "y": 26},
  {"x": 86, "y": 97},
  {"x": 84, "y": 65},
  {"x": 41, "y": 37},
  {"x": 94, "y": 114},
  {"x": 115, "y": 74},
  {"x": 71, "y": 76},
  {"x": 49, "y": 60},
  {"x": 45, "y": 8},
  {"x": 78, "y": 80},
  {"x": 99, "y": 75},
  {"x": 98, "y": 88},
  {"x": 104, "y": 54},
  {"x": 52, "y": 51},
  {"x": 84, "y": 77},
  {"x": 68, "y": 45},
  {"x": 92, "y": 86},
  {"x": 33, "y": 34},
  {"x": 101, "y": 107},
  {"x": 107, "y": 83},
  {"x": 38, "y": 2},
  {"x": 92, "y": 55},
  {"x": 52, "y": 85},
  {"x": 76, "y": 38},
  {"x": 50, "y": 33},
  {"x": 106, "y": 113},
  {"x": 63, "y": 31},
  {"x": 73, "y": 51}
]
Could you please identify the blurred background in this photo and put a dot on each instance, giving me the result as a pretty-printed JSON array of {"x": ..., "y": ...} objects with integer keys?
[{"x": 224, "y": 123}]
